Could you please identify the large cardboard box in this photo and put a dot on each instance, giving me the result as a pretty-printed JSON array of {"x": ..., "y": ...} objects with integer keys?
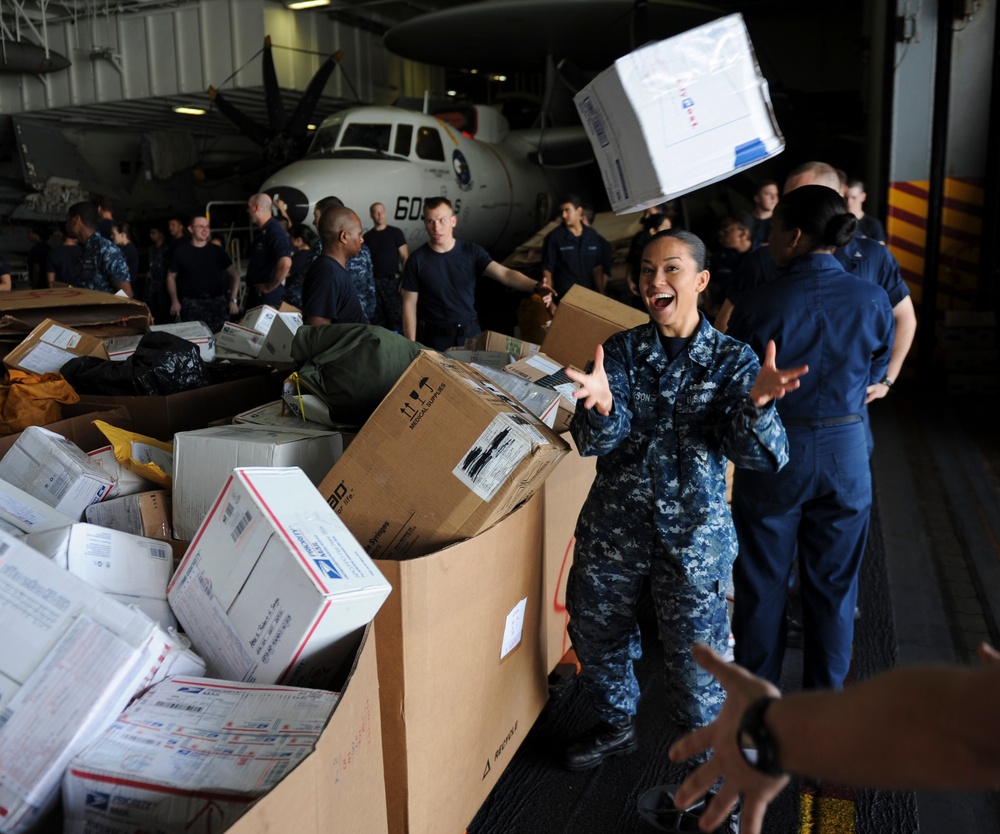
[
  {"x": 341, "y": 786},
  {"x": 205, "y": 459},
  {"x": 163, "y": 416},
  {"x": 50, "y": 346},
  {"x": 80, "y": 429},
  {"x": 207, "y": 748},
  {"x": 88, "y": 310},
  {"x": 273, "y": 587},
  {"x": 679, "y": 114},
  {"x": 446, "y": 455},
  {"x": 584, "y": 320},
  {"x": 563, "y": 495},
  {"x": 461, "y": 671}
]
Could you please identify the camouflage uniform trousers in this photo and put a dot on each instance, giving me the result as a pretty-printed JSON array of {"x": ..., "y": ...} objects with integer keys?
[
  {"x": 601, "y": 596},
  {"x": 213, "y": 311},
  {"x": 390, "y": 304}
]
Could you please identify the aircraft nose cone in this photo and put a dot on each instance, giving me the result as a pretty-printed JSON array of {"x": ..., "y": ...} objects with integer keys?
[{"x": 297, "y": 201}]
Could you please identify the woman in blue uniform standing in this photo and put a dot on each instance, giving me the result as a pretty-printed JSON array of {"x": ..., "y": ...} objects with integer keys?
[
  {"x": 816, "y": 509},
  {"x": 665, "y": 405}
]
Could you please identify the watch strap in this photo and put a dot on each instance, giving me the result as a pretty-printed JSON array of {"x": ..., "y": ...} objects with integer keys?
[{"x": 754, "y": 732}]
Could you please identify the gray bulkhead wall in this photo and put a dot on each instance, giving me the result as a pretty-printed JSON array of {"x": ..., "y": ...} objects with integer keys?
[{"x": 183, "y": 50}]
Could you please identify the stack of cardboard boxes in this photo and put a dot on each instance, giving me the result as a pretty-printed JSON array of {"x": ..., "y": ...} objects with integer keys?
[{"x": 448, "y": 518}]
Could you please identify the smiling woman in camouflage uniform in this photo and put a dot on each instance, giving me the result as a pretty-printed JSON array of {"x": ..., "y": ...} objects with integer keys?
[{"x": 665, "y": 405}]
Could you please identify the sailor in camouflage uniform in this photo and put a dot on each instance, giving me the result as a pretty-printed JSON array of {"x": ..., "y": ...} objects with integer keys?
[
  {"x": 664, "y": 406},
  {"x": 102, "y": 264}
]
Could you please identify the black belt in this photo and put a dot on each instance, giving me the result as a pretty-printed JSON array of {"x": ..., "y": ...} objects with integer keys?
[
  {"x": 449, "y": 329},
  {"x": 823, "y": 422}
]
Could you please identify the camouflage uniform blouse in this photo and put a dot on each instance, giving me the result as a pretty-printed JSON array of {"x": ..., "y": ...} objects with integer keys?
[{"x": 661, "y": 476}]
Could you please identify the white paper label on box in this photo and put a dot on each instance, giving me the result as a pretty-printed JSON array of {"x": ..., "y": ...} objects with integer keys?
[
  {"x": 546, "y": 366},
  {"x": 61, "y": 337},
  {"x": 494, "y": 456},
  {"x": 567, "y": 389},
  {"x": 195, "y": 605},
  {"x": 45, "y": 359},
  {"x": 21, "y": 511},
  {"x": 145, "y": 453},
  {"x": 513, "y": 627}
]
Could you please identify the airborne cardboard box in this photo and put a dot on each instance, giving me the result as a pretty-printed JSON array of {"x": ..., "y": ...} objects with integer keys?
[
  {"x": 341, "y": 785},
  {"x": 164, "y": 415},
  {"x": 445, "y": 455},
  {"x": 461, "y": 672},
  {"x": 585, "y": 319},
  {"x": 563, "y": 495},
  {"x": 50, "y": 346},
  {"x": 679, "y": 114}
]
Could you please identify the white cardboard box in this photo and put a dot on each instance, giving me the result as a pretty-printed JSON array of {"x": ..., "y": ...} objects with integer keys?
[
  {"x": 196, "y": 332},
  {"x": 259, "y": 318},
  {"x": 277, "y": 415},
  {"x": 54, "y": 470},
  {"x": 207, "y": 749},
  {"x": 135, "y": 570},
  {"x": 204, "y": 460},
  {"x": 72, "y": 660},
  {"x": 234, "y": 339},
  {"x": 273, "y": 585},
  {"x": 277, "y": 345},
  {"x": 21, "y": 513},
  {"x": 679, "y": 114}
]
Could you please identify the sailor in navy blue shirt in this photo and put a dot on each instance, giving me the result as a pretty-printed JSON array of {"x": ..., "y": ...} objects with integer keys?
[
  {"x": 862, "y": 257},
  {"x": 270, "y": 255},
  {"x": 572, "y": 253},
  {"x": 328, "y": 293},
  {"x": 816, "y": 509}
]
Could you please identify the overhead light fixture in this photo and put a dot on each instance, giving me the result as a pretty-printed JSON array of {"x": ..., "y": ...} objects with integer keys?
[
  {"x": 306, "y": 4},
  {"x": 189, "y": 111},
  {"x": 452, "y": 93},
  {"x": 310, "y": 127}
]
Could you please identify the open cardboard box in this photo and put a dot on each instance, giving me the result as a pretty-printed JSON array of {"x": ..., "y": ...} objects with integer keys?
[{"x": 461, "y": 673}]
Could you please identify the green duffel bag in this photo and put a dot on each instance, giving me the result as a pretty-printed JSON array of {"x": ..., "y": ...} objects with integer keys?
[{"x": 351, "y": 366}]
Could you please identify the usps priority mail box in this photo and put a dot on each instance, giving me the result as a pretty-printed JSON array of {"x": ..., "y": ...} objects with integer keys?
[
  {"x": 679, "y": 114},
  {"x": 274, "y": 586}
]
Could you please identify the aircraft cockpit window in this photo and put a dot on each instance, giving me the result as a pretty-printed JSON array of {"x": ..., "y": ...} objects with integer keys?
[
  {"x": 325, "y": 140},
  {"x": 404, "y": 138},
  {"x": 429, "y": 144},
  {"x": 367, "y": 136}
]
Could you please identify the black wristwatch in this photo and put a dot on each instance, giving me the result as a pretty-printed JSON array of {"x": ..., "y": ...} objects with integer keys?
[
  {"x": 754, "y": 734},
  {"x": 886, "y": 382}
]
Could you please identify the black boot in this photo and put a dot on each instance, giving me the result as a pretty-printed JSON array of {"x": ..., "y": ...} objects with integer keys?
[{"x": 602, "y": 741}]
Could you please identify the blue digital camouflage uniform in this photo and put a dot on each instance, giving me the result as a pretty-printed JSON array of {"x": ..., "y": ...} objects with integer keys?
[
  {"x": 363, "y": 276},
  {"x": 658, "y": 508},
  {"x": 102, "y": 265}
]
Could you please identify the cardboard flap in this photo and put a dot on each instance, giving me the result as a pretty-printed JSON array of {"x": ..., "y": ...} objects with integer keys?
[{"x": 72, "y": 306}]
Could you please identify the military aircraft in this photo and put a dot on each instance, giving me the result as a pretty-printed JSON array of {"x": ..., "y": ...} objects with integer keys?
[{"x": 400, "y": 157}]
